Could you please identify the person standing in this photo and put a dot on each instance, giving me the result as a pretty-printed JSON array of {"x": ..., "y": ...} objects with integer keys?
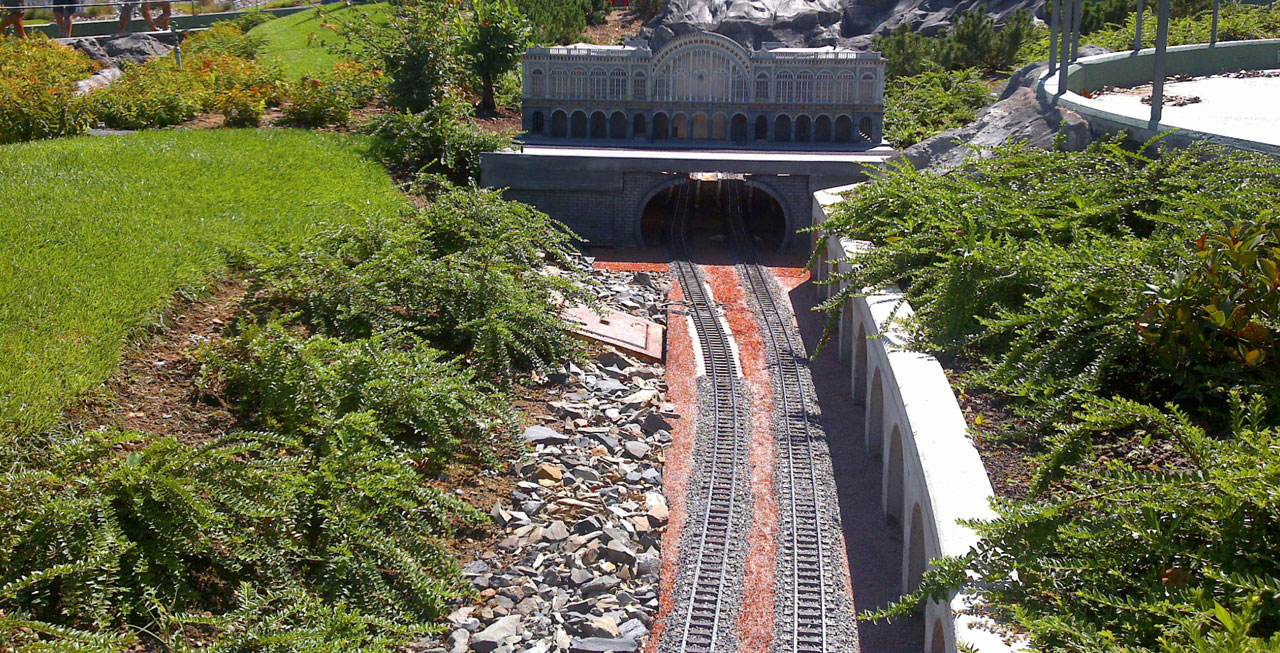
[
  {"x": 13, "y": 18},
  {"x": 126, "y": 15},
  {"x": 166, "y": 11},
  {"x": 64, "y": 12}
]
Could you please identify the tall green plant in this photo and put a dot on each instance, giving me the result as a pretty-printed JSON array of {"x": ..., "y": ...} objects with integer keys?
[{"x": 493, "y": 39}]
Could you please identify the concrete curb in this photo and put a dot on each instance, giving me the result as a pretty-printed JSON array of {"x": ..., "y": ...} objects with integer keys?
[
  {"x": 932, "y": 475},
  {"x": 1125, "y": 69}
]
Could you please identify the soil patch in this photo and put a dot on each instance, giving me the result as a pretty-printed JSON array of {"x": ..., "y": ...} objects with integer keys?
[{"x": 619, "y": 25}]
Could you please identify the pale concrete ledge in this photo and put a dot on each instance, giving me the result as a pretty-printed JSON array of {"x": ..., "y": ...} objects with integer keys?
[
  {"x": 932, "y": 475},
  {"x": 1129, "y": 69}
]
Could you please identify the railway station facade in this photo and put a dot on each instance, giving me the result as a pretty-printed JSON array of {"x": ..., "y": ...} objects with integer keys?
[{"x": 703, "y": 87}]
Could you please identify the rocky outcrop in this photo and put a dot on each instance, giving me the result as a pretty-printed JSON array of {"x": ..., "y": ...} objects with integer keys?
[
  {"x": 849, "y": 23},
  {"x": 113, "y": 51},
  {"x": 1018, "y": 116}
]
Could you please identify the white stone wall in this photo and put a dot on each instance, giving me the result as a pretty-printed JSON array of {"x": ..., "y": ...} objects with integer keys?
[{"x": 932, "y": 475}]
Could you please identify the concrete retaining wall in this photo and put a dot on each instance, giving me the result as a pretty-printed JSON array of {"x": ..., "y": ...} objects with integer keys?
[
  {"x": 1127, "y": 69},
  {"x": 932, "y": 476}
]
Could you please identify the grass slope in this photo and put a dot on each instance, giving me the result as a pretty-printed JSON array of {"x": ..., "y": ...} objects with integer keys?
[
  {"x": 302, "y": 41},
  {"x": 103, "y": 230}
]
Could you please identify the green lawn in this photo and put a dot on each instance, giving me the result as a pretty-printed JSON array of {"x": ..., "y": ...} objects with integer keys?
[
  {"x": 302, "y": 42},
  {"x": 101, "y": 231}
]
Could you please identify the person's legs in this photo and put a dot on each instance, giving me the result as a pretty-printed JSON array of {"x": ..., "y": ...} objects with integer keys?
[
  {"x": 126, "y": 16},
  {"x": 166, "y": 12},
  {"x": 13, "y": 18},
  {"x": 146, "y": 15}
]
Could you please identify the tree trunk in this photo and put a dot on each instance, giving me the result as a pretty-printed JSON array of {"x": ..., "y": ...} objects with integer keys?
[{"x": 486, "y": 99}]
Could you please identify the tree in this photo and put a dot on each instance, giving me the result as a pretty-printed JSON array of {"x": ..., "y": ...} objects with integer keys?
[
  {"x": 492, "y": 43},
  {"x": 416, "y": 48}
]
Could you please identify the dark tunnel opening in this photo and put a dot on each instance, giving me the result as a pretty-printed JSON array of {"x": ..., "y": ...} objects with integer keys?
[{"x": 708, "y": 226}]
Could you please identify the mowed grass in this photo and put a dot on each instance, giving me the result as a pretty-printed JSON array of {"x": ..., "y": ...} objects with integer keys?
[
  {"x": 303, "y": 42},
  {"x": 99, "y": 233}
]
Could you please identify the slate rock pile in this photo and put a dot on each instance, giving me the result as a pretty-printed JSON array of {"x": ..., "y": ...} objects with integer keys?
[
  {"x": 576, "y": 569},
  {"x": 642, "y": 294}
]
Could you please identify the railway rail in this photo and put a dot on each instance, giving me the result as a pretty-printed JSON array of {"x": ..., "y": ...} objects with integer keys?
[
  {"x": 718, "y": 521},
  {"x": 814, "y": 611}
]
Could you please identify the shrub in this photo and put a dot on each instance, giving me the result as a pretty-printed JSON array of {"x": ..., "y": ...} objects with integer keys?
[
  {"x": 930, "y": 103},
  {"x": 155, "y": 94},
  {"x": 563, "y": 21},
  {"x": 973, "y": 41},
  {"x": 438, "y": 141},
  {"x": 251, "y": 19},
  {"x": 493, "y": 40},
  {"x": 293, "y": 384},
  {"x": 331, "y": 97},
  {"x": 159, "y": 93},
  {"x": 461, "y": 275},
  {"x": 1060, "y": 261},
  {"x": 223, "y": 38},
  {"x": 37, "y": 92},
  {"x": 1125, "y": 307},
  {"x": 241, "y": 107},
  {"x": 416, "y": 49}
]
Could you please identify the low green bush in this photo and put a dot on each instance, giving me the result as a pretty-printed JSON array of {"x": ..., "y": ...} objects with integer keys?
[
  {"x": 929, "y": 103},
  {"x": 293, "y": 384},
  {"x": 225, "y": 38},
  {"x": 462, "y": 275},
  {"x": 1128, "y": 310},
  {"x": 441, "y": 140},
  {"x": 251, "y": 19},
  {"x": 37, "y": 89},
  {"x": 159, "y": 93},
  {"x": 329, "y": 98},
  {"x": 563, "y": 21}
]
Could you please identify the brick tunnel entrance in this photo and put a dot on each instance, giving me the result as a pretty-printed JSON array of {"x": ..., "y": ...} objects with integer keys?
[{"x": 765, "y": 219}]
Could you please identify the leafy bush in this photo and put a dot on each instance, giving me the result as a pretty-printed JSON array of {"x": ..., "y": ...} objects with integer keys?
[
  {"x": 159, "y": 93},
  {"x": 224, "y": 38},
  {"x": 251, "y": 19},
  {"x": 461, "y": 275},
  {"x": 416, "y": 48},
  {"x": 293, "y": 384},
  {"x": 331, "y": 97},
  {"x": 1060, "y": 262},
  {"x": 241, "y": 107},
  {"x": 930, "y": 103},
  {"x": 155, "y": 94},
  {"x": 438, "y": 141},
  {"x": 1087, "y": 289},
  {"x": 37, "y": 92}
]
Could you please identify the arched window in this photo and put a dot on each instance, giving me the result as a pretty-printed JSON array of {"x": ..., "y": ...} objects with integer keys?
[
  {"x": 804, "y": 87},
  {"x": 618, "y": 84},
  {"x": 559, "y": 124},
  {"x": 845, "y": 88},
  {"x": 867, "y": 88},
  {"x": 537, "y": 83},
  {"x": 782, "y": 128},
  {"x": 638, "y": 86},
  {"x": 762, "y": 88},
  {"x": 559, "y": 83},
  {"x": 740, "y": 91},
  {"x": 578, "y": 82},
  {"x": 539, "y": 123},
  {"x": 662, "y": 85},
  {"x": 599, "y": 84},
  {"x": 783, "y": 92},
  {"x": 825, "y": 91}
]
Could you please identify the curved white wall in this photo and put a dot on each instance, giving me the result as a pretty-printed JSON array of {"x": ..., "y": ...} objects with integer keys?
[{"x": 932, "y": 474}]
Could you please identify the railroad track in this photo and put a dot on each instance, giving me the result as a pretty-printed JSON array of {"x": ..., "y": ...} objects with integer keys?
[
  {"x": 711, "y": 587},
  {"x": 813, "y": 611}
]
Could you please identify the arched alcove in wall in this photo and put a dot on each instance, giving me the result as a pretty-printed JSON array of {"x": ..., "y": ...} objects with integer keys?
[
  {"x": 860, "y": 366},
  {"x": 916, "y": 560},
  {"x": 875, "y": 415},
  {"x": 893, "y": 477}
]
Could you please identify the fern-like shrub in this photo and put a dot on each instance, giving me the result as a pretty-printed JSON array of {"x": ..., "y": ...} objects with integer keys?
[
  {"x": 464, "y": 275},
  {"x": 37, "y": 89},
  {"x": 1090, "y": 288}
]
